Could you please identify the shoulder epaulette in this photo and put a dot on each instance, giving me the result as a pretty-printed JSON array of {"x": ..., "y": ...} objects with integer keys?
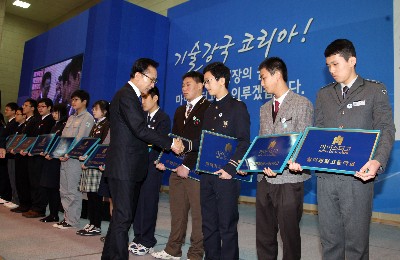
[
  {"x": 373, "y": 81},
  {"x": 330, "y": 84}
]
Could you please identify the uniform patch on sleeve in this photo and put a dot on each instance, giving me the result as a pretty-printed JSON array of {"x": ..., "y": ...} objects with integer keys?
[
  {"x": 87, "y": 124},
  {"x": 384, "y": 91}
]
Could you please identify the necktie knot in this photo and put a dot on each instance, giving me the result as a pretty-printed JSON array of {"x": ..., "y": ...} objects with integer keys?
[
  {"x": 345, "y": 90},
  {"x": 189, "y": 107},
  {"x": 276, "y": 108}
]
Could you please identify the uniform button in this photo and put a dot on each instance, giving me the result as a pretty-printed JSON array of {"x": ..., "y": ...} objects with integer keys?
[
  {"x": 215, "y": 118},
  {"x": 212, "y": 129},
  {"x": 343, "y": 112},
  {"x": 341, "y": 126},
  {"x": 216, "y": 107}
]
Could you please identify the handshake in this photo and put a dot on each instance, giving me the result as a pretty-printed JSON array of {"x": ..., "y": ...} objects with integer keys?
[{"x": 177, "y": 146}]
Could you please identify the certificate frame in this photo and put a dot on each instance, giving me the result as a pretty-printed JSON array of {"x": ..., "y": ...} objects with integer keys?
[
  {"x": 336, "y": 154},
  {"x": 91, "y": 161},
  {"x": 66, "y": 144},
  {"x": 15, "y": 142},
  {"x": 25, "y": 144},
  {"x": 171, "y": 161},
  {"x": 42, "y": 144},
  {"x": 278, "y": 147},
  {"x": 83, "y": 147},
  {"x": 9, "y": 140},
  {"x": 224, "y": 151}
]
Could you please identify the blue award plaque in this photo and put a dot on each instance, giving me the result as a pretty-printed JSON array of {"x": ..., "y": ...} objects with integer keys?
[
  {"x": 42, "y": 144},
  {"x": 336, "y": 150},
  {"x": 25, "y": 144},
  {"x": 15, "y": 142},
  {"x": 83, "y": 147},
  {"x": 271, "y": 151},
  {"x": 171, "y": 161},
  {"x": 9, "y": 140},
  {"x": 61, "y": 146},
  {"x": 97, "y": 157},
  {"x": 215, "y": 152}
]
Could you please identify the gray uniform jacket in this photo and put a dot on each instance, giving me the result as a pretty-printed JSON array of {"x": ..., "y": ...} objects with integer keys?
[
  {"x": 366, "y": 106},
  {"x": 295, "y": 114},
  {"x": 78, "y": 125}
]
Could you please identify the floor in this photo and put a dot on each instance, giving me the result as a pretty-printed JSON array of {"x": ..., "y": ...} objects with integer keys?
[{"x": 22, "y": 238}]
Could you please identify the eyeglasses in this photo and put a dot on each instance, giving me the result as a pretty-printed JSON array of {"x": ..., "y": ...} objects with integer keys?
[
  {"x": 207, "y": 82},
  {"x": 154, "y": 81}
]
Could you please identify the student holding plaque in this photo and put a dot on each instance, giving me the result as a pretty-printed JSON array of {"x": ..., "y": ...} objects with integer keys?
[
  {"x": 184, "y": 192},
  {"x": 78, "y": 126},
  {"x": 38, "y": 194},
  {"x": 90, "y": 178},
  {"x": 279, "y": 200},
  {"x": 219, "y": 193},
  {"x": 345, "y": 201},
  {"x": 50, "y": 180},
  {"x": 22, "y": 180},
  {"x": 144, "y": 223}
]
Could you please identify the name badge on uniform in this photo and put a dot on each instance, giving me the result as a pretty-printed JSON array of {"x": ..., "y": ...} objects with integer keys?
[
  {"x": 359, "y": 103},
  {"x": 349, "y": 106}
]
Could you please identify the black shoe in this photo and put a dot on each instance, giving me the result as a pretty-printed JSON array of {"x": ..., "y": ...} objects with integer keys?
[
  {"x": 49, "y": 218},
  {"x": 19, "y": 210}
]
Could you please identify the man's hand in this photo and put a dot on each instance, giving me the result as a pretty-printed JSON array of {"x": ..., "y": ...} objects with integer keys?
[
  {"x": 223, "y": 174},
  {"x": 2, "y": 153},
  {"x": 242, "y": 173},
  {"x": 177, "y": 146},
  {"x": 102, "y": 168},
  {"x": 182, "y": 172},
  {"x": 160, "y": 166},
  {"x": 269, "y": 172},
  {"x": 83, "y": 167},
  {"x": 294, "y": 167},
  {"x": 369, "y": 170},
  {"x": 23, "y": 153},
  {"x": 82, "y": 158},
  {"x": 48, "y": 157},
  {"x": 64, "y": 158}
]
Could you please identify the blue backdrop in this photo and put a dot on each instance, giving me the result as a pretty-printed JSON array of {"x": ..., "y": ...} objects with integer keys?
[{"x": 113, "y": 34}]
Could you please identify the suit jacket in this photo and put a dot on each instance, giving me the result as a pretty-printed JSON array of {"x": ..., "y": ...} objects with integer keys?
[
  {"x": 127, "y": 155},
  {"x": 366, "y": 106},
  {"x": 191, "y": 129},
  {"x": 10, "y": 129},
  {"x": 44, "y": 126},
  {"x": 162, "y": 124},
  {"x": 295, "y": 114}
]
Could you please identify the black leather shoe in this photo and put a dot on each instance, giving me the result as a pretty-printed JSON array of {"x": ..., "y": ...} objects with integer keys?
[
  {"x": 20, "y": 210},
  {"x": 49, "y": 218}
]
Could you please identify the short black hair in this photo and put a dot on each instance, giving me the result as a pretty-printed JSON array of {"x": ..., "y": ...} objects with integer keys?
[
  {"x": 12, "y": 105},
  {"x": 33, "y": 104},
  {"x": 343, "y": 47},
  {"x": 195, "y": 75},
  {"x": 104, "y": 107},
  {"x": 155, "y": 92},
  {"x": 62, "y": 111},
  {"x": 47, "y": 101},
  {"x": 141, "y": 65},
  {"x": 219, "y": 70},
  {"x": 20, "y": 109},
  {"x": 274, "y": 64},
  {"x": 83, "y": 95}
]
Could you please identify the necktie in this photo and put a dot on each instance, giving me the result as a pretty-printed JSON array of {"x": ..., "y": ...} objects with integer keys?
[
  {"x": 140, "y": 99},
  {"x": 345, "y": 90},
  {"x": 276, "y": 106},
  {"x": 148, "y": 119},
  {"x": 188, "y": 109}
]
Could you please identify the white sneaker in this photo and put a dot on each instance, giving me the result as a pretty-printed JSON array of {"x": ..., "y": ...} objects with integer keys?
[
  {"x": 140, "y": 249},
  {"x": 10, "y": 205},
  {"x": 2, "y": 201},
  {"x": 164, "y": 255}
]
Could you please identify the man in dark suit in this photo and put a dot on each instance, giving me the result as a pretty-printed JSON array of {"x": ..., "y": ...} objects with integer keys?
[
  {"x": 127, "y": 155},
  {"x": 345, "y": 201},
  {"x": 38, "y": 195},
  {"x": 184, "y": 192},
  {"x": 144, "y": 224}
]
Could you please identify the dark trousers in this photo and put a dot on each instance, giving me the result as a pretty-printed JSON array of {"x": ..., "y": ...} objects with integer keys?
[
  {"x": 38, "y": 194},
  {"x": 124, "y": 194},
  {"x": 22, "y": 181},
  {"x": 144, "y": 225},
  {"x": 344, "y": 214},
  {"x": 53, "y": 195},
  {"x": 219, "y": 209},
  {"x": 184, "y": 197},
  {"x": 5, "y": 186},
  {"x": 95, "y": 208},
  {"x": 278, "y": 207}
]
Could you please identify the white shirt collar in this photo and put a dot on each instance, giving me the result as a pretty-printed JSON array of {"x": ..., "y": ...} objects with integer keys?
[
  {"x": 153, "y": 113},
  {"x": 11, "y": 118},
  {"x": 222, "y": 97},
  {"x": 281, "y": 98},
  {"x": 194, "y": 101},
  {"x": 136, "y": 89},
  {"x": 43, "y": 117},
  {"x": 350, "y": 84},
  {"x": 101, "y": 119}
]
